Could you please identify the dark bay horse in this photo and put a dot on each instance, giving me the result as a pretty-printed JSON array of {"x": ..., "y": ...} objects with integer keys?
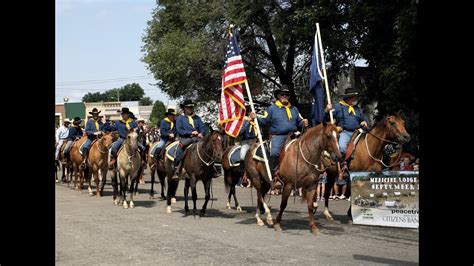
[
  {"x": 232, "y": 175},
  {"x": 156, "y": 169},
  {"x": 368, "y": 153},
  {"x": 198, "y": 165}
]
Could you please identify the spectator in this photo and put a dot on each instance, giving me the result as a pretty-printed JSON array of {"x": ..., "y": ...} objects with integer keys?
[
  {"x": 406, "y": 166},
  {"x": 321, "y": 187},
  {"x": 338, "y": 183}
]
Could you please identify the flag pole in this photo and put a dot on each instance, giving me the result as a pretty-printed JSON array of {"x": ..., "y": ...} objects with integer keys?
[
  {"x": 321, "y": 52},
  {"x": 258, "y": 132}
]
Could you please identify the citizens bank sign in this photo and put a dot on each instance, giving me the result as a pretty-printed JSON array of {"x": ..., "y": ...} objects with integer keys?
[{"x": 388, "y": 198}]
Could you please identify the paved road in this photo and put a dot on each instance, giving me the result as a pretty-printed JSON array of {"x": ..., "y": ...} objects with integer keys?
[{"x": 91, "y": 230}]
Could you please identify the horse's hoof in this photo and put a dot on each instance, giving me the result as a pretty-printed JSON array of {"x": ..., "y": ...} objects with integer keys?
[
  {"x": 125, "y": 205},
  {"x": 57, "y": 181},
  {"x": 315, "y": 205},
  {"x": 239, "y": 208},
  {"x": 269, "y": 221},
  {"x": 260, "y": 223},
  {"x": 98, "y": 195},
  {"x": 132, "y": 205},
  {"x": 173, "y": 200},
  {"x": 168, "y": 209},
  {"x": 116, "y": 202},
  {"x": 163, "y": 198},
  {"x": 277, "y": 227},
  {"x": 314, "y": 231},
  {"x": 152, "y": 197},
  {"x": 350, "y": 222},
  {"x": 228, "y": 206},
  {"x": 202, "y": 214}
]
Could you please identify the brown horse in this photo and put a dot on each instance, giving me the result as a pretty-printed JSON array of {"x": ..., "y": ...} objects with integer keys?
[
  {"x": 302, "y": 164},
  {"x": 98, "y": 160},
  {"x": 128, "y": 165},
  {"x": 368, "y": 153},
  {"x": 232, "y": 175},
  {"x": 76, "y": 159},
  {"x": 198, "y": 165},
  {"x": 299, "y": 167}
]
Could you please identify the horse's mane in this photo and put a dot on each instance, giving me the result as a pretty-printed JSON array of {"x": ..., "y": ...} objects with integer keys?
[{"x": 315, "y": 130}]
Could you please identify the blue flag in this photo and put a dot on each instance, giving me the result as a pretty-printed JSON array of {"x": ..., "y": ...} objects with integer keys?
[{"x": 316, "y": 86}]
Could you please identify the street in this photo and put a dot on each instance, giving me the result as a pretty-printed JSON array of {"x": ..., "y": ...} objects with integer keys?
[{"x": 91, "y": 230}]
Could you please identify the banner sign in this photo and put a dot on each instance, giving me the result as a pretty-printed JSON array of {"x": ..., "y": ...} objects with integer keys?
[{"x": 388, "y": 198}]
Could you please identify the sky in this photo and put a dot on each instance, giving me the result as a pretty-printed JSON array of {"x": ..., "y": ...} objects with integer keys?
[{"x": 98, "y": 47}]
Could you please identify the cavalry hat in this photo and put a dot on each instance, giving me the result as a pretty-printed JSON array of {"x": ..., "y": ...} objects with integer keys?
[
  {"x": 77, "y": 119},
  {"x": 187, "y": 103},
  {"x": 125, "y": 110},
  {"x": 170, "y": 111},
  {"x": 95, "y": 111},
  {"x": 350, "y": 92},
  {"x": 284, "y": 88},
  {"x": 67, "y": 120},
  {"x": 141, "y": 119}
]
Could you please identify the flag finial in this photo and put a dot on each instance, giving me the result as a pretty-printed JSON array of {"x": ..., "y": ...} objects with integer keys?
[{"x": 231, "y": 26}]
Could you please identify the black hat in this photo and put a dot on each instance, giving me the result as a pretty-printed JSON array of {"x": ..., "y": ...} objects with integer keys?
[
  {"x": 350, "y": 92},
  {"x": 284, "y": 88},
  {"x": 125, "y": 110},
  {"x": 170, "y": 111},
  {"x": 77, "y": 119},
  {"x": 186, "y": 103},
  {"x": 95, "y": 111}
]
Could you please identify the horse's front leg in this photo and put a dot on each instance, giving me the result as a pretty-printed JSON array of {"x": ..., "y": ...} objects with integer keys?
[
  {"x": 284, "y": 201},
  {"x": 186, "y": 195},
  {"x": 327, "y": 190},
  {"x": 207, "y": 185},
  {"x": 309, "y": 201}
]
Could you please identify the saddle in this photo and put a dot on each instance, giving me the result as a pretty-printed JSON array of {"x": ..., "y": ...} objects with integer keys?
[
  {"x": 234, "y": 156},
  {"x": 170, "y": 150},
  {"x": 353, "y": 143},
  {"x": 152, "y": 148}
]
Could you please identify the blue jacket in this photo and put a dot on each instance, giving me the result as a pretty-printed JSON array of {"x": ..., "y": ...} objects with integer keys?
[
  {"x": 278, "y": 119},
  {"x": 74, "y": 132},
  {"x": 167, "y": 128},
  {"x": 247, "y": 132},
  {"x": 184, "y": 128},
  {"x": 345, "y": 120},
  {"x": 91, "y": 128},
  {"x": 121, "y": 127}
]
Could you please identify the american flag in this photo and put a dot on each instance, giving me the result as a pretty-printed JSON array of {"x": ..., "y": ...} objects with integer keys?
[{"x": 232, "y": 105}]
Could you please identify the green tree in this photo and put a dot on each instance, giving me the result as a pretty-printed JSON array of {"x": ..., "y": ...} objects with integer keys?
[
  {"x": 145, "y": 101},
  {"x": 185, "y": 42},
  {"x": 158, "y": 112},
  {"x": 131, "y": 92},
  {"x": 94, "y": 97}
]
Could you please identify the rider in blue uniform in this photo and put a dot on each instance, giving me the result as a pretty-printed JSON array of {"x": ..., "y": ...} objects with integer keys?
[
  {"x": 283, "y": 119},
  {"x": 167, "y": 132},
  {"x": 94, "y": 128},
  {"x": 189, "y": 128},
  {"x": 122, "y": 126},
  {"x": 75, "y": 133}
]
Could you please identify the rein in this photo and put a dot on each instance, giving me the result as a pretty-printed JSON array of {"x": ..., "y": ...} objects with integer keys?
[
  {"x": 380, "y": 160},
  {"x": 202, "y": 160}
]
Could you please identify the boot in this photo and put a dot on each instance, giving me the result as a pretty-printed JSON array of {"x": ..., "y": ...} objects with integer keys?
[
  {"x": 112, "y": 161},
  {"x": 86, "y": 155},
  {"x": 274, "y": 163}
]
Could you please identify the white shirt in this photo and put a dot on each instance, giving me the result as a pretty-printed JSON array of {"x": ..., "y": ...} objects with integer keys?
[{"x": 62, "y": 133}]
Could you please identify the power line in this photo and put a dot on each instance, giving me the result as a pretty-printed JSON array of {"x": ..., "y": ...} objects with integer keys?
[{"x": 83, "y": 82}]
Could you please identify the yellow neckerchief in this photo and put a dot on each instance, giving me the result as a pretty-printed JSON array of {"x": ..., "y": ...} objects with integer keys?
[
  {"x": 96, "y": 122},
  {"x": 190, "y": 120},
  {"x": 287, "y": 107},
  {"x": 351, "y": 108},
  {"x": 127, "y": 122},
  {"x": 168, "y": 120}
]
